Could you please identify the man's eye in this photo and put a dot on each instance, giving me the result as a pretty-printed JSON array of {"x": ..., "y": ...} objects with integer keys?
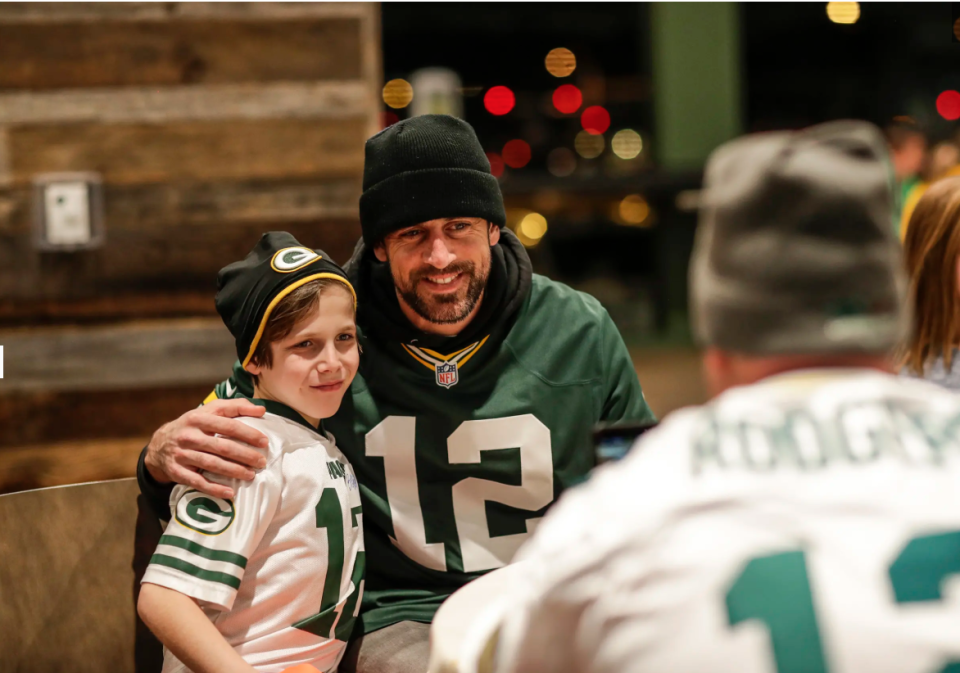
[
  {"x": 459, "y": 226},
  {"x": 346, "y": 336},
  {"x": 410, "y": 234}
]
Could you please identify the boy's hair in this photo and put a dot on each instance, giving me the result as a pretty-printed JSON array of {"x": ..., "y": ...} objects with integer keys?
[{"x": 287, "y": 314}]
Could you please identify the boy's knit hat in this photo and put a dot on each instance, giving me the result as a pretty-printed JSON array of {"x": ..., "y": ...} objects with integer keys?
[{"x": 250, "y": 289}]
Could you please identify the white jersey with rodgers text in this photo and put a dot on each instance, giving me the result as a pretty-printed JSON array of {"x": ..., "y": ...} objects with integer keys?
[
  {"x": 279, "y": 569},
  {"x": 806, "y": 524}
]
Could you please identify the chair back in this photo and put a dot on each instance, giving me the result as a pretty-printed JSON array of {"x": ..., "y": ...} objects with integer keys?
[{"x": 68, "y": 582}]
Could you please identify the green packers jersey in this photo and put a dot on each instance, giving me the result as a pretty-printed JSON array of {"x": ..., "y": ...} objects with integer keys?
[{"x": 460, "y": 454}]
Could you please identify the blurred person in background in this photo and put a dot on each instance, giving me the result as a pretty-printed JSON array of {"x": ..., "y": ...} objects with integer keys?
[
  {"x": 908, "y": 149},
  {"x": 478, "y": 388},
  {"x": 807, "y": 517},
  {"x": 932, "y": 250},
  {"x": 942, "y": 162}
]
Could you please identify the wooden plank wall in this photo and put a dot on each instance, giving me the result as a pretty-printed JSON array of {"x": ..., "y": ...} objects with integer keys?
[{"x": 210, "y": 123}]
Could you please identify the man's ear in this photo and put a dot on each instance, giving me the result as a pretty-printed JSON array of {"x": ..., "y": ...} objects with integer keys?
[
  {"x": 253, "y": 368},
  {"x": 494, "y": 233},
  {"x": 380, "y": 251}
]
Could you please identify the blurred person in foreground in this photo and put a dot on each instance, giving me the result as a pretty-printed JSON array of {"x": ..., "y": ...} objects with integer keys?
[
  {"x": 932, "y": 250},
  {"x": 808, "y": 517},
  {"x": 478, "y": 387}
]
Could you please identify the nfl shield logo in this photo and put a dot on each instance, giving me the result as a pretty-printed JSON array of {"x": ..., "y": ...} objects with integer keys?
[{"x": 447, "y": 374}]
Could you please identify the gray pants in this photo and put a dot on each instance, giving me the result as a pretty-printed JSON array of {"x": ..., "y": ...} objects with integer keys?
[{"x": 400, "y": 648}]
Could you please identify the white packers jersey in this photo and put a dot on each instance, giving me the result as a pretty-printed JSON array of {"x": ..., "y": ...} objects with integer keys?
[
  {"x": 806, "y": 524},
  {"x": 279, "y": 569}
]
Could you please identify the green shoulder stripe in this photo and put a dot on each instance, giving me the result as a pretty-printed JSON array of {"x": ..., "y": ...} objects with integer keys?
[
  {"x": 200, "y": 550},
  {"x": 199, "y": 573}
]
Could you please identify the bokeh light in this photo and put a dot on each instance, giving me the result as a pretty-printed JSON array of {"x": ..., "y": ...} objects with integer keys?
[
  {"x": 567, "y": 99},
  {"x": 496, "y": 164},
  {"x": 627, "y": 144},
  {"x": 843, "y": 12},
  {"x": 634, "y": 210},
  {"x": 499, "y": 100},
  {"x": 588, "y": 145},
  {"x": 516, "y": 154},
  {"x": 532, "y": 229},
  {"x": 388, "y": 118},
  {"x": 948, "y": 105},
  {"x": 561, "y": 62},
  {"x": 397, "y": 93},
  {"x": 562, "y": 162},
  {"x": 595, "y": 120}
]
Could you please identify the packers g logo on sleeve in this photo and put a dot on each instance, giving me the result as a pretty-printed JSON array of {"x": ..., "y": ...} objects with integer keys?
[
  {"x": 204, "y": 513},
  {"x": 291, "y": 259}
]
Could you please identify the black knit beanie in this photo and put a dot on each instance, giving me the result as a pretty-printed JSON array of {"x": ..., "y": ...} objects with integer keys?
[
  {"x": 250, "y": 289},
  {"x": 424, "y": 168}
]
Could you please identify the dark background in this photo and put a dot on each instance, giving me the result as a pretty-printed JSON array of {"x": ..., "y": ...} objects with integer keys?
[{"x": 797, "y": 68}]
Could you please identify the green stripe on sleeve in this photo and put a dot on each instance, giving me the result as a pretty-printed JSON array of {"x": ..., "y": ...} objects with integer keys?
[
  {"x": 200, "y": 550},
  {"x": 199, "y": 573}
]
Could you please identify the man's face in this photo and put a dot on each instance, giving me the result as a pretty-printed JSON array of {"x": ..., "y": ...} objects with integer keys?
[{"x": 440, "y": 268}]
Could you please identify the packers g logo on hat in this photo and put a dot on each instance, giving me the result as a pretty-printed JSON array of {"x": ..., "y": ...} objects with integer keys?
[
  {"x": 204, "y": 513},
  {"x": 291, "y": 259}
]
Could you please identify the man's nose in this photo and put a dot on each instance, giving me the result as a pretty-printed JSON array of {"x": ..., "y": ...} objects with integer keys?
[{"x": 439, "y": 255}]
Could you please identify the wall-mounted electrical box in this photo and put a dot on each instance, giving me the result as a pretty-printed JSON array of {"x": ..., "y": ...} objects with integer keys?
[{"x": 68, "y": 211}]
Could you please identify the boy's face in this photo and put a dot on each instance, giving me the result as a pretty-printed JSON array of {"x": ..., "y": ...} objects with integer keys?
[{"x": 315, "y": 364}]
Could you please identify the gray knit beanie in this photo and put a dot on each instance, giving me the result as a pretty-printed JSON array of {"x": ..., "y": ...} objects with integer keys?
[{"x": 795, "y": 250}]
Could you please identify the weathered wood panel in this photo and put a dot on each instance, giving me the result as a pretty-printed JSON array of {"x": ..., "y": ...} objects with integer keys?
[
  {"x": 158, "y": 53},
  {"x": 56, "y": 12},
  {"x": 37, "y": 418},
  {"x": 159, "y": 259},
  {"x": 137, "y": 207},
  {"x": 97, "y": 310},
  {"x": 40, "y": 466},
  {"x": 278, "y": 100},
  {"x": 137, "y": 355},
  {"x": 190, "y": 150}
]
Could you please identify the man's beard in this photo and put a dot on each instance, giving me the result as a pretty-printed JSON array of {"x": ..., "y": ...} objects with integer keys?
[{"x": 444, "y": 309}]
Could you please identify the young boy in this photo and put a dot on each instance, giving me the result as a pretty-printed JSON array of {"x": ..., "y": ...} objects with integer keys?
[{"x": 236, "y": 585}]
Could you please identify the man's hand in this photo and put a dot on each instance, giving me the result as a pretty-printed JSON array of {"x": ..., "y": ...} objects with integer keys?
[{"x": 180, "y": 449}]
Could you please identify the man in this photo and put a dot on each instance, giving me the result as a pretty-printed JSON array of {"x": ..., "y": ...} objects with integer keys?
[
  {"x": 807, "y": 519},
  {"x": 478, "y": 386}
]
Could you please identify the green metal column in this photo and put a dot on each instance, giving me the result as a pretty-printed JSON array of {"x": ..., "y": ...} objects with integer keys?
[{"x": 696, "y": 80}]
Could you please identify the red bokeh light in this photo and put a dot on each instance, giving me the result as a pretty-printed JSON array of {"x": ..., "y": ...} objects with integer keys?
[
  {"x": 499, "y": 100},
  {"x": 388, "y": 118},
  {"x": 516, "y": 154},
  {"x": 567, "y": 99},
  {"x": 948, "y": 105},
  {"x": 595, "y": 120},
  {"x": 496, "y": 164}
]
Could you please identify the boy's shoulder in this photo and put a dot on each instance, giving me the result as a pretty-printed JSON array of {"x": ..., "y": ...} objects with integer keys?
[{"x": 286, "y": 435}]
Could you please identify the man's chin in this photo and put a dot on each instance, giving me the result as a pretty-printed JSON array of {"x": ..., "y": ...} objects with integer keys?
[{"x": 444, "y": 311}]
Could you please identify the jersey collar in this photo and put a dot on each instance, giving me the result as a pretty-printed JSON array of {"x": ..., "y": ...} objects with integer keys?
[{"x": 280, "y": 409}]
